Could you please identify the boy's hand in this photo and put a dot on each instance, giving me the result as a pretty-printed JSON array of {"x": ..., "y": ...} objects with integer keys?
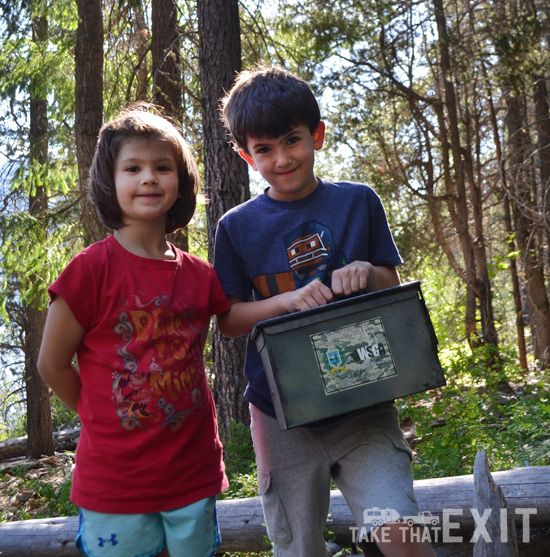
[
  {"x": 351, "y": 279},
  {"x": 311, "y": 295}
]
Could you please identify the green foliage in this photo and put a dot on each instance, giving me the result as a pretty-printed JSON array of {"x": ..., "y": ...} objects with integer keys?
[
  {"x": 240, "y": 466},
  {"x": 48, "y": 499},
  {"x": 63, "y": 417},
  {"x": 41, "y": 69},
  {"x": 197, "y": 232},
  {"x": 489, "y": 402},
  {"x": 54, "y": 177},
  {"x": 13, "y": 421},
  {"x": 375, "y": 68},
  {"x": 32, "y": 258},
  {"x": 444, "y": 296},
  {"x": 479, "y": 410},
  {"x": 240, "y": 463},
  {"x": 242, "y": 485}
]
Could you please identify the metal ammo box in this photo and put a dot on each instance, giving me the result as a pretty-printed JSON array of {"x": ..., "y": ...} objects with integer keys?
[{"x": 347, "y": 355}]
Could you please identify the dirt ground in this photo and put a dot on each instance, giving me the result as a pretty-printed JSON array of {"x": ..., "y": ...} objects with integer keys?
[{"x": 29, "y": 488}]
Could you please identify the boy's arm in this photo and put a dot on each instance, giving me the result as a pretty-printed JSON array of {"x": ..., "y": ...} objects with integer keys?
[
  {"x": 62, "y": 335},
  {"x": 242, "y": 316},
  {"x": 351, "y": 279},
  {"x": 356, "y": 277}
]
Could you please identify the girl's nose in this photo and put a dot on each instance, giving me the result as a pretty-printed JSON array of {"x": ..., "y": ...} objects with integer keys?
[{"x": 149, "y": 177}]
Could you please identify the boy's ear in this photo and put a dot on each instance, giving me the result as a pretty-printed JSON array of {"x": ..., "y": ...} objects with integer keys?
[
  {"x": 248, "y": 158},
  {"x": 319, "y": 136}
]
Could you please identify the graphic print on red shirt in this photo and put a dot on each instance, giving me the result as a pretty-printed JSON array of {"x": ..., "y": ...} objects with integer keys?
[{"x": 158, "y": 384}]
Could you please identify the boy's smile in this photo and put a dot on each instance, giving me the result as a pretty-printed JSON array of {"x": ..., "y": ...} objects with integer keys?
[{"x": 286, "y": 162}]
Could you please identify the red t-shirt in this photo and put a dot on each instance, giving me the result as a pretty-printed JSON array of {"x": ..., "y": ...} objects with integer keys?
[{"x": 149, "y": 439}]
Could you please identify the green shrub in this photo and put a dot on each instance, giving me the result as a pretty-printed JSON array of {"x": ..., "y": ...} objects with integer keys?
[
  {"x": 240, "y": 463},
  {"x": 498, "y": 408}
]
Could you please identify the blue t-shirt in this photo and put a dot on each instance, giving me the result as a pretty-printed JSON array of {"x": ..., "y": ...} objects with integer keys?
[{"x": 265, "y": 247}]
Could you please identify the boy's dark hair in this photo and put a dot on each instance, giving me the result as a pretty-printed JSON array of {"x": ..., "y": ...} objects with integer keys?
[
  {"x": 141, "y": 121},
  {"x": 267, "y": 102}
]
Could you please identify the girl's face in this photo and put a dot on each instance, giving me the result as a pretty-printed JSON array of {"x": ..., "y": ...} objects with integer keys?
[{"x": 146, "y": 180}]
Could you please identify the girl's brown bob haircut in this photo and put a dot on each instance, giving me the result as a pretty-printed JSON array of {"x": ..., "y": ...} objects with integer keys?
[{"x": 141, "y": 121}]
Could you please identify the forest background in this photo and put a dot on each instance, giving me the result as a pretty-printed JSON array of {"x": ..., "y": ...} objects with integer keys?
[{"x": 441, "y": 106}]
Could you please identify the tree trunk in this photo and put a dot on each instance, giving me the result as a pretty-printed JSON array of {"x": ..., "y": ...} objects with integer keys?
[
  {"x": 141, "y": 38},
  {"x": 475, "y": 263},
  {"x": 167, "y": 85},
  {"x": 542, "y": 113},
  {"x": 514, "y": 277},
  {"x": 522, "y": 189},
  {"x": 454, "y": 180},
  {"x": 167, "y": 81},
  {"x": 522, "y": 203},
  {"x": 225, "y": 180},
  {"x": 88, "y": 106},
  {"x": 39, "y": 417}
]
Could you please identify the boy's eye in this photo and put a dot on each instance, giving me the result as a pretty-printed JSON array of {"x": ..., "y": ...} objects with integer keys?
[{"x": 292, "y": 140}]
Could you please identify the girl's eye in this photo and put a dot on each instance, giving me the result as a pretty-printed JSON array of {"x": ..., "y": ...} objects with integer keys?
[
  {"x": 164, "y": 168},
  {"x": 132, "y": 168},
  {"x": 263, "y": 150}
]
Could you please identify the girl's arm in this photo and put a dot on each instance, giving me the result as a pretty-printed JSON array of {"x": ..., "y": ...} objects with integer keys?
[{"x": 62, "y": 335}]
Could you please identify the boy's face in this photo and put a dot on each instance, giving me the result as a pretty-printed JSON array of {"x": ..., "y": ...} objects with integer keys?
[{"x": 286, "y": 162}]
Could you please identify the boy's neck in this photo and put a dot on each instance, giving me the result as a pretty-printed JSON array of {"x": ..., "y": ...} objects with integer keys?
[
  {"x": 281, "y": 195},
  {"x": 144, "y": 244}
]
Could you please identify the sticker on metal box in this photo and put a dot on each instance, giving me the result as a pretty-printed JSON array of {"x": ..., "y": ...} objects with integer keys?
[{"x": 353, "y": 355}]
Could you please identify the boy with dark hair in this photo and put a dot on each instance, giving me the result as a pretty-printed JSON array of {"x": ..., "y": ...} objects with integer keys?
[{"x": 304, "y": 243}]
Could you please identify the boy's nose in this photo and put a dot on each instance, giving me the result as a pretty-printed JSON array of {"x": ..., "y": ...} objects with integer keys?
[{"x": 283, "y": 159}]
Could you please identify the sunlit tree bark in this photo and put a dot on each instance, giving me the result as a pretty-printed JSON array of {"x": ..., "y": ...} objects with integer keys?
[
  {"x": 39, "y": 417},
  {"x": 167, "y": 86},
  {"x": 458, "y": 175},
  {"x": 527, "y": 188},
  {"x": 88, "y": 106},
  {"x": 225, "y": 179},
  {"x": 166, "y": 69}
]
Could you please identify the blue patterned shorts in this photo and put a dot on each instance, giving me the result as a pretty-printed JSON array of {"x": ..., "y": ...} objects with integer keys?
[{"x": 190, "y": 531}]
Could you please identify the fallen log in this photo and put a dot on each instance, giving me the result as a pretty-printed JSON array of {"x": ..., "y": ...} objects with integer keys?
[
  {"x": 449, "y": 500},
  {"x": 65, "y": 440}
]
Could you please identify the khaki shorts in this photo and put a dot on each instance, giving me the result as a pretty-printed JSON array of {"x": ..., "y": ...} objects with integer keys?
[{"x": 363, "y": 452}]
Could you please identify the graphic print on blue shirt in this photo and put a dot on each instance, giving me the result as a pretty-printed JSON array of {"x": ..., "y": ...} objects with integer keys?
[{"x": 311, "y": 255}]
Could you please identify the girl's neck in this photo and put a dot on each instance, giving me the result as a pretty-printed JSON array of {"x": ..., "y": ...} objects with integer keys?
[{"x": 144, "y": 243}]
